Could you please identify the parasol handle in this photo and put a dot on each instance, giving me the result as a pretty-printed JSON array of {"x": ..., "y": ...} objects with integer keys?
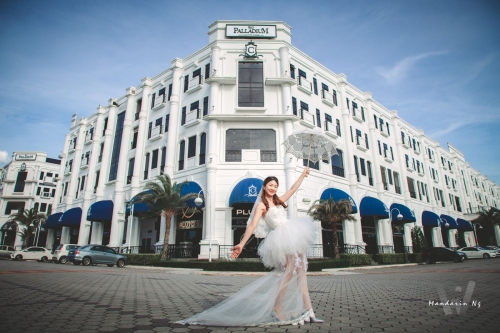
[{"x": 310, "y": 142}]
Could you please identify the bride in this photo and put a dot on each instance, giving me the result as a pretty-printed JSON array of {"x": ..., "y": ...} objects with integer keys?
[{"x": 280, "y": 297}]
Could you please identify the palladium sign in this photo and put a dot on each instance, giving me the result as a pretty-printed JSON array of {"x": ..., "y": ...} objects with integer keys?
[{"x": 250, "y": 31}]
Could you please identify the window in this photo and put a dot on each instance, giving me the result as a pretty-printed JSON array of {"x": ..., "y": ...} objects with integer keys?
[
  {"x": 294, "y": 105},
  {"x": 384, "y": 178},
  {"x": 338, "y": 164},
  {"x": 101, "y": 150},
  {"x": 197, "y": 72},
  {"x": 192, "y": 147},
  {"x": 366, "y": 141},
  {"x": 38, "y": 190},
  {"x": 304, "y": 106},
  {"x": 389, "y": 175},
  {"x": 138, "y": 104},
  {"x": 163, "y": 159},
  {"x": 186, "y": 82},
  {"x": 113, "y": 169},
  {"x": 392, "y": 153},
  {"x": 82, "y": 184},
  {"x": 411, "y": 187},
  {"x": 324, "y": 87},
  {"x": 362, "y": 164},
  {"x": 312, "y": 165},
  {"x": 96, "y": 180},
  {"x": 169, "y": 91},
  {"x": 292, "y": 71},
  {"x": 41, "y": 175},
  {"x": 370, "y": 175},
  {"x": 302, "y": 74},
  {"x": 250, "y": 84},
  {"x": 167, "y": 122},
  {"x": 154, "y": 159},
  {"x": 339, "y": 133},
  {"x": 385, "y": 150},
  {"x": 315, "y": 85},
  {"x": 388, "y": 131},
  {"x": 363, "y": 113},
  {"x": 356, "y": 167},
  {"x": 205, "y": 106},
  {"x": 379, "y": 147},
  {"x": 20, "y": 181},
  {"x": 397, "y": 185},
  {"x": 146, "y": 166},
  {"x": 43, "y": 207},
  {"x": 318, "y": 118},
  {"x": 239, "y": 139},
  {"x": 66, "y": 188},
  {"x": 14, "y": 205},
  {"x": 159, "y": 122},
  {"x": 130, "y": 172},
  {"x": 207, "y": 71},
  {"x": 375, "y": 120},
  {"x": 181, "y": 154},
  {"x": 150, "y": 129},
  {"x": 183, "y": 116},
  {"x": 36, "y": 206},
  {"x": 203, "y": 148}
]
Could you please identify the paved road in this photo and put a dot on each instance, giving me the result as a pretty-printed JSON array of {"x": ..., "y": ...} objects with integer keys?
[{"x": 45, "y": 297}]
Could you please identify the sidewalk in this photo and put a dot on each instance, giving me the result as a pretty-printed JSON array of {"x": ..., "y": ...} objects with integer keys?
[{"x": 324, "y": 272}]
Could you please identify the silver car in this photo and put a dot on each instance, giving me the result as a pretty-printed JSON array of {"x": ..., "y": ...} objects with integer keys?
[
  {"x": 6, "y": 251},
  {"x": 93, "y": 254}
]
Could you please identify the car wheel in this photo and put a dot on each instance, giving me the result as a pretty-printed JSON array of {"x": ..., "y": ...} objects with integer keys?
[
  {"x": 63, "y": 260},
  {"x": 86, "y": 261},
  {"x": 486, "y": 256},
  {"x": 110, "y": 265},
  {"x": 76, "y": 263},
  {"x": 428, "y": 261},
  {"x": 120, "y": 263},
  {"x": 19, "y": 257},
  {"x": 44, "y": 259}
]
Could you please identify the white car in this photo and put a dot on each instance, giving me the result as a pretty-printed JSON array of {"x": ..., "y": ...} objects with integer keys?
[
  {"x": 6, "y": 251},
  {"x": 61, "y": 252},
  {"x": 478, "y": 252},
  {"x": 32, "y": 253}
]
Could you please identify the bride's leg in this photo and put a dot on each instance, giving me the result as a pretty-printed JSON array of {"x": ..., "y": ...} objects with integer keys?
[
  {"x": 285, "y": 280},
  {"x": 302, "y": 281}
]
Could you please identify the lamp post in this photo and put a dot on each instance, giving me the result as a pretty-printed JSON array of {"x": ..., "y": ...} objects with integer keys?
[
  {"x": 131, "y": 219},
  {"x": 198, "y": 202},
  {"x": 446, "y": 225},
  {"x": 399, "y": 216},
  {"x": 475, "y": 231},
  {"x": 37, "y": 232}
]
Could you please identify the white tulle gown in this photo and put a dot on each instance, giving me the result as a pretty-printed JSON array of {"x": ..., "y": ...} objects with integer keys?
[{"x": 284, "y": 249}]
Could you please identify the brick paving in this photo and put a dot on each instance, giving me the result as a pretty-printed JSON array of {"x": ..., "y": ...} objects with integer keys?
[{"x": 45, "y": 297}]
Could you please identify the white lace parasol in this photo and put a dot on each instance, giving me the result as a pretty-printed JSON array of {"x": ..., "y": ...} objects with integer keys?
[{"x": 310, "y": 144}]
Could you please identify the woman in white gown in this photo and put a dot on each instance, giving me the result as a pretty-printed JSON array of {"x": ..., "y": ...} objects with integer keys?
[{"x": 280, "y": 297}]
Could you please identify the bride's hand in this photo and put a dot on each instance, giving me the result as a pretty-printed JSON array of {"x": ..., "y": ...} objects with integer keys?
[
  {"x": 236, "y": 251},
  {"x": 306, "y": 172}
]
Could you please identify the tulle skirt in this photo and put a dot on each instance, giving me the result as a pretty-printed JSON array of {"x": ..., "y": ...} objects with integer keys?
[
  {"x": 291, "y": 238},
  {"x": 284, "y": 288}
]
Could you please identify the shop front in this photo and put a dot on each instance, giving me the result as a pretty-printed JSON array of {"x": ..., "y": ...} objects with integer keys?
[
  {"x": 400, "y": 215},
  {"x": 430, "y": 222},
  {"x": 373, "y": 212}
]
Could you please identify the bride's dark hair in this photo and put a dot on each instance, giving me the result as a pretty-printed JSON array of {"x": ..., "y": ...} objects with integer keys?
[{"x": 276, "y": 200}]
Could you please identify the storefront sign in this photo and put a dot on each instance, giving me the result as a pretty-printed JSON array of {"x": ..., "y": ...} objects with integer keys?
[
  {"x": 190, "y": 224},
  {"x": 242, "y": 222},
  {"x": 250, "y": 31},
  {"x": 25, "y": 157}
]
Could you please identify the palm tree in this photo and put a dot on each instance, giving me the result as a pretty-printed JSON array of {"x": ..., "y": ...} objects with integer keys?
[
  {"x": 333, "y": 212},
  {"x": 487, "y": 219},
  {"x": 164, "y": 198},
  {"x": 30, "y": 219}
]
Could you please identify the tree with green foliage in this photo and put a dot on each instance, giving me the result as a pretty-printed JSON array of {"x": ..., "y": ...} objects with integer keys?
[
  {"x": 418, "y": 239},
  {"x": 332, "y": 212},
  {"x": 29, "y": 220},
  {"x": 164, "y": 198},
  {"x": 487, "y": 219}
]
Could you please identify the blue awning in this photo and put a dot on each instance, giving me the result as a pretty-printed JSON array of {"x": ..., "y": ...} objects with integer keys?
[
  {"x": 452, "y": 224},
  {"x": 71, "y": 217},
  {"x": 408, "y": 215},
  {"x": 52, "y": 221},
  {"x": 138, "y": 207},
  {"x": 464, "y": 225},
  {"x": 100, "y": 211},
  {"x": 430, "y": 219},
  {"x": 192, "y": 188},
  {"x": 338, "y": 195},
  {"x": 246, "y": 191},
  {"x": 373, "y": 207}
]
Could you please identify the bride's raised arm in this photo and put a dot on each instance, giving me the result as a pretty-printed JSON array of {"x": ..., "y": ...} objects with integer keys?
[{"x": 295, "y": 186}]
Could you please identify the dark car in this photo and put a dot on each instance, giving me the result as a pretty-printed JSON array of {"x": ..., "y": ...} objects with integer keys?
[
  {"x": 96, "y": 254},
  {"x": 433, "y": 254}
]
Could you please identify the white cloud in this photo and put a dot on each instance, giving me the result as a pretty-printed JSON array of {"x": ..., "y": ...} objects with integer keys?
[
  {"x": 401, "y": 69},
  {"x": 4, "y": 157}
]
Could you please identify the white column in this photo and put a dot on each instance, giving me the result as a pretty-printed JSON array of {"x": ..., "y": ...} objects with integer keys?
[
  {"x": 175, "y": 100},
  {"x": 163, "y": 225},
  {"x": 407, "y": 234},
  {"x": 65, "y": 235},
  {"x": 97, "y": 233},
  {"x": 379, "y": 226},
  {"x": 106, "y": 155},
  {"x": 349, "y": 232},
  {"x": 73, "y": 183},
  {"x": 400, "y": 150},
  {"x": 388, "y": 237},
  {"x": 50, "y": 239},
  {"x": 373, "y": 151},
  {"x": 497, "y": 233}
]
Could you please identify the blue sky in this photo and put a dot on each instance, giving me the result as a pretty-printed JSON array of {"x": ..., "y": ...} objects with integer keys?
[{"x": 436, "y": 62}]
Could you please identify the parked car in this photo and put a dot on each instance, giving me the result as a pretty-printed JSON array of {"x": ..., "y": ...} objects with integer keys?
[
  {"x": 493, "y": 247},
  {"x": 478, "y": 252},
  {"x": 433, "y": 254},
  {"x": 96, "y": 254},
  {"x": 61, "y": 252},
  {"x": 6, "y": 251},
  {"x": 32, "y": 253}
]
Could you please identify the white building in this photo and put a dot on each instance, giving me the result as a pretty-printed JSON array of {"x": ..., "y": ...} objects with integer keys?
[
  {"x": 28, "y": 181},
  {"x": 217, "y": 119}
]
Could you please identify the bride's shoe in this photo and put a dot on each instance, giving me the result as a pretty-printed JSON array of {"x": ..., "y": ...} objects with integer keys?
[{"x": 312, "y": 317}]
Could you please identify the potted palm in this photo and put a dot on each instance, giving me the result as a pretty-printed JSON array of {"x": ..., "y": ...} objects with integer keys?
[
  {"x": 333, "y": 212},
  {"x": 30, "y": 220},
  {"x": 164, "y": 199}
]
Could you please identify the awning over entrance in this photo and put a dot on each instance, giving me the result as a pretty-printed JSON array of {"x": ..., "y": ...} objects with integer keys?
[
  {"x": 246, "y": 191},
  {"x": 100, "y": 211},
  {"x": 52, "y": 221},
  {"x": 138, "y": 207},
  {"x": 452, "y": 224},
  {"x": 464, "y": 225},
  {"x": 373, "y": 207},
  {"x": 71, "y": 217},
  {"x": 9, "y": 226},
  {"x": 408, "y": 215},
  {"x": 430, "y": 219},
  {"x": 192, "y": 188},
  {"x": 338, "y": 195}
]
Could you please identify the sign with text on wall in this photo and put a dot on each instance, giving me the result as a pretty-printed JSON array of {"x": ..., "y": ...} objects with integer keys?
[
  {"x": 25, "y": 157},
  {"x": 250, "y": 31}
]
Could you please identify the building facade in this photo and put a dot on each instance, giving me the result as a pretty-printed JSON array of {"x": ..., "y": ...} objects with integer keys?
[
  {"x": 217, "y": 119},
  {"x": 28, "y": 181}
]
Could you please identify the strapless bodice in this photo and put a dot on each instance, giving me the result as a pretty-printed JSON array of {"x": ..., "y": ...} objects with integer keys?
[{"x": 275, "y": 217}]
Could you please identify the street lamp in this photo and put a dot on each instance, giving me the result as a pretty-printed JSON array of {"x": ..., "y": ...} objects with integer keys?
[
  {"x": 131, "y": 219},
  {"x": 446, "y": 224},
  {"x": 198, "y": 202},
  {"x": 475, "y": 231},
  {"x": 399, "y": 216},
  {"x": 37, "y": 233}
]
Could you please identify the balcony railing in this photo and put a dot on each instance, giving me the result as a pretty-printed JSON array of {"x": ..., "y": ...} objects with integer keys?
[
  {"x": 398, "y": 189},
  {"x": 361, "y": 143},
  {"x": 156, "y": 133},
  {"x": 268, "y": 156},
  {"x": 356, "y": 115},
  {"x": 338, "y": 171},
  {"x": 383, "y": 132},
  {"x": 307, "y": 118},
  {"x": 413, "y": 194},
  {"x": 304, "y": 85},
  {"x": 159, "y": 102},
  {"x": 88, "y": 138},
  {"x": 192, "y": 117},
  {"x": 195, "y": 83},
  {"x": 332, "y": 130},
  {"x": 328, "y": 98}
]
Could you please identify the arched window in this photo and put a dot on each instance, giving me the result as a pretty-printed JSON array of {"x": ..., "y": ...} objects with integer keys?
[
  {"x": 203, "y": 148},
  {"x": 338, "y": 164},
  {"x": 181, "y": 154}
]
